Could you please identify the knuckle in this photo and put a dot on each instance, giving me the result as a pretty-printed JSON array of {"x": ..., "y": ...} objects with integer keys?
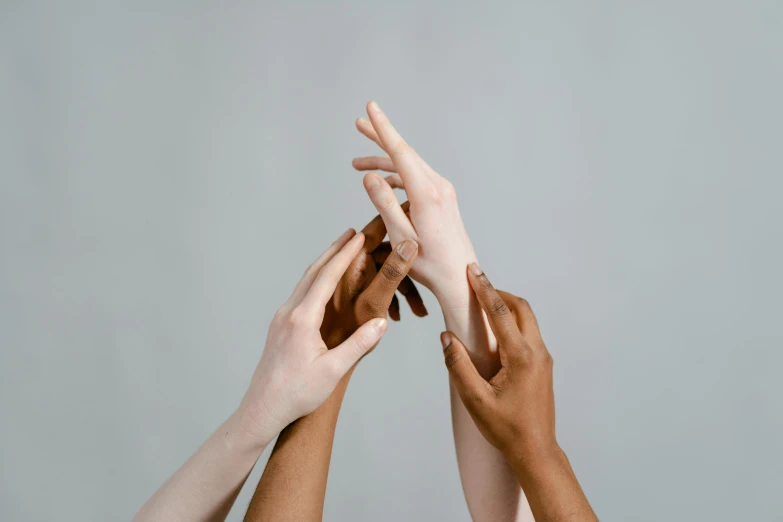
[
  {"x": 392, "y": 270},
  {"x": 435, "y": 196},
  {"x": 333, "y": 368},
  {"x": 399, "y": 147},
  {"x": 523, "y": 304},
  {"x": 296, "y": 317},
  {"x": 280, "y": 318},
  {"x": 369, "y": 307},
  {"x": 484, "y": 283},
  {"x": 498, "y": 307},
  {"x": 361, "y": 345},
  {"x": 448, "y": 191},
  {"x": 453, "y": 356},
  {"x": 525, "y": 352},
  {"x": 309, "y": 270},
  {"x": 387, "y": 202}
]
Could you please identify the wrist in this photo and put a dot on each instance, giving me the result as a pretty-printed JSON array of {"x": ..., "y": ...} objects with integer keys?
[
  {"x": 533, "y": 459},
  {"x": 452, "y": 289},
  {"x": 244, "y": 436}
]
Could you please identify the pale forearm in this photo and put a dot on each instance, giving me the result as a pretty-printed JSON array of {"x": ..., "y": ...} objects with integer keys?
[
  {"x": 293, "y": 485},
  {"x": 491, "y": 488},
  {"x": 205, "y": 487}
]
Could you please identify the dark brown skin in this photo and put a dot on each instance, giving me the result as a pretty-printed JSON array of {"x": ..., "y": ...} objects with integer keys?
[
  {"x": 515, "y": 409},
  {"x": 293, "y": 485}
]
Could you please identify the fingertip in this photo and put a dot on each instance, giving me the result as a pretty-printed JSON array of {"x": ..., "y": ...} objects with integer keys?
[
  {"x": 371, "y": 181},
  {"x": 380, "y": 324},
  {"x": 421, "y": 312},
  {"x": 408, "y": 249},
  {"x": 372, "y": 106},
  {"x": 445, "y": 340}
]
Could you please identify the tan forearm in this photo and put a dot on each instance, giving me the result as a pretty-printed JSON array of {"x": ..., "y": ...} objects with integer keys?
[
  {"x": 551, "y": 487},
  {"x": 293, "y": 485}
]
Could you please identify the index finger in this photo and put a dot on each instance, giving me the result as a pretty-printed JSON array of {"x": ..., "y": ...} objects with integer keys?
[
  {"x": 403, "y": 156},
  {"x": 326, "y": 282},
  {"x": 500, "y": 318}
]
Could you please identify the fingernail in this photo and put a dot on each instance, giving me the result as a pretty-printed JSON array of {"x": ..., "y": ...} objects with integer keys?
[
  {"x": 372, "y": 182},
  {"x": 475, "y": 270},
  {"x": 380, "y": 324},
  {"x": 407, "y": 249},
  {"x": 445, "y": 340}
]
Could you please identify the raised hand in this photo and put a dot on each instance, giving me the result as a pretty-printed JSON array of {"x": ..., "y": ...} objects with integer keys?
[
  {"x": 515, "y": 408},
  {"x": 293, "y": 485},
  {"x": 433, "y": 221},
  {"x": 297, "y": 371},
  {"x": 367, "y": 289}
]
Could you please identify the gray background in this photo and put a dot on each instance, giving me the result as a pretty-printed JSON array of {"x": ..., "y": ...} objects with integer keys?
[{"x": 168, "y": 170}]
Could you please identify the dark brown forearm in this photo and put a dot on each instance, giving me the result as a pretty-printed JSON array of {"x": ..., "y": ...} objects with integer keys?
[
  {"x": 293, "y": 485},
  {"x": 551, "y": 487}
]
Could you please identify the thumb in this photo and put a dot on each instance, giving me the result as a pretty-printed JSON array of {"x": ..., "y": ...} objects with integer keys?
[
  {"x": 472, "y": 388},
  {"x": 342, "y": 358},
  {"x": 377, "y": 297}
]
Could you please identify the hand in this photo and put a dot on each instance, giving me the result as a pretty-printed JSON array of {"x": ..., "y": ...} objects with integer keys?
[
  {"x": 367, "y": 290},
  {"x": 435, "y": 222},
  {"x": 297, "y": 372},
  {"x": 515, "y": 410}
]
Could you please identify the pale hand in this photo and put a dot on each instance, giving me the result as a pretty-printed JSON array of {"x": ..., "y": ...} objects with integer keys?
[
  {"x": 433, "y": 220},
  {"x": 297, "y": 372}
]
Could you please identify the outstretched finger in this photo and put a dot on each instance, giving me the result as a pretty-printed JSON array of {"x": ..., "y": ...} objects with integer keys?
[
  {"x": 500, "y": 319},
  {"x": 382, "y": 196},
  {"x": 374, "y": 163},
  {"x": 407, "y": 163},
  {"x": 365, "y": 127},
  {"x": 326, "y": 281},
  {"x": 471, "y": 387},
  {"x": 312, "y": 271}
]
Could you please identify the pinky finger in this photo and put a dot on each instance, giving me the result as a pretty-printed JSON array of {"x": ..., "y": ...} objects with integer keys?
[{"x": 395, "y": 181}]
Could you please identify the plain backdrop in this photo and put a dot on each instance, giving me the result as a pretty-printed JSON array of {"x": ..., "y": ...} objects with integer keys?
[{"x": 168, "y": 170}]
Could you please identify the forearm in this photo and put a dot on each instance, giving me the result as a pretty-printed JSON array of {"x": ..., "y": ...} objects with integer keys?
[
  {"x": 488, "y": 481},
  {"x": 293, "y": 485},
  {"x": 552, "y": 488},
  {"x": 206, "y": 486}
]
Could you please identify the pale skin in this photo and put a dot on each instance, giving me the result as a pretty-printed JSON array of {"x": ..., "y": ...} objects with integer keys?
[
  {"x": 296, "y": 374},
  {"x": 515, "y": 408},
  {"x": 489, "y": 482},
  {"x": 293, "y": 485}
]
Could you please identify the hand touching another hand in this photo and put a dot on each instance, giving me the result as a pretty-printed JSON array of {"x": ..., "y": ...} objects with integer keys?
[
  {"x": 297, "y": 372},
  {"x": 435, "y": 222},
  {"x": 367, "y": 290},
  {"x": 515, "y": 409}
]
